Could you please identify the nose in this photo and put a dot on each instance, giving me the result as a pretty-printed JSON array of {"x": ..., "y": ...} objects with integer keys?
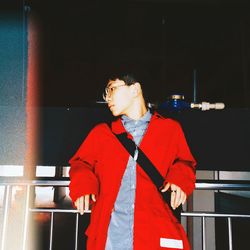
[{"x": 108, "y": 98}]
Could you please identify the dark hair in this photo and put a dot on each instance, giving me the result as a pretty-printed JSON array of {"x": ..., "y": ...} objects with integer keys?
[{"x": 130, "y": 79}]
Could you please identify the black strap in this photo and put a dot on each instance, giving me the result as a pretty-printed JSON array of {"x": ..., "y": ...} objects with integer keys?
[{"x": 149, "y": 168}]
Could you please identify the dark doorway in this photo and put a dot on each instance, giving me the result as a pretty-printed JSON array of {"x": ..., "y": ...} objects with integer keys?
[{"x": 233, "y": 204}]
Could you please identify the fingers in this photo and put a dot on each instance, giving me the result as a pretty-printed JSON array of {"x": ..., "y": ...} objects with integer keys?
[
  {"x": 86, "y": 202},
  {"x": 173, "y": 199},
  {"x": 183, "y": 198},
  {"x": 178, "y": 197},
  {"x": 93, "y": 197},
  {"x": 82, "y": 203},
  {"x": 79, "y": 203},
  {"x": 166, "y": 187}
]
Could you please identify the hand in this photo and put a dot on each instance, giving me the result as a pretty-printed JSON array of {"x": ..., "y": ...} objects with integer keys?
[
  {"x": 178, "y": 197},
  {"x": 82, "y": 203}
]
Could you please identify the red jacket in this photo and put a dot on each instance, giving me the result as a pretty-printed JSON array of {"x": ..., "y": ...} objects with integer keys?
[{"x": 98, "y": 167}]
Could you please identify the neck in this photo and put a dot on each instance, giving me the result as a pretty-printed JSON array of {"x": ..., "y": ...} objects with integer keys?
[{"x": 137, "y": 111}]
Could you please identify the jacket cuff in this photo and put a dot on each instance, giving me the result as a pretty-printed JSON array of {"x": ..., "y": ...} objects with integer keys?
[
  {"x": 182, "y": 176},
  {"x": 79, "y": 188}
]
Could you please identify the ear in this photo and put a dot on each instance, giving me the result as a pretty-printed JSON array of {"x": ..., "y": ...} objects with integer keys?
[{"x": 136, "y": 89}]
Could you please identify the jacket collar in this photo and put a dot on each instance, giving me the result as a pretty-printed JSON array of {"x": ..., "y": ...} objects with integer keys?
[{"x": 118, "y": 128}]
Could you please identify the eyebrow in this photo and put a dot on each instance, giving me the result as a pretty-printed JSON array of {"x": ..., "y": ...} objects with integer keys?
[{"x": 109, "y": 83}]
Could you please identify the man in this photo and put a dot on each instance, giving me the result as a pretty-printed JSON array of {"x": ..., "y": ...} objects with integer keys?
[{"x": 128, "y": 212}]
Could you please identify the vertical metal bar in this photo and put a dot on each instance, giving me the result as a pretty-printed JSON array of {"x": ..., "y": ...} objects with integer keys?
[
  {"x": 203, "y": 233},
  {"x": 51, "y": 230},
  {"x": 7, "y": 199},
  {"x": 76, "y": 235},
  {"x": 230, "y": 238},
  {"x": 190, "y": 221},
  {"x": 195, "y": 85},
  {"x": 26, "y": 218}
]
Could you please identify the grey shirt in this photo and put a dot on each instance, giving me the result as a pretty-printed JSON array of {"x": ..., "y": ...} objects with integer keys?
[{"x": 120, "y": 231}]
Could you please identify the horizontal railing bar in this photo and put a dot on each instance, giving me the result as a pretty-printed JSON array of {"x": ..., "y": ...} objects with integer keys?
[
  {"x": 191, "y": 214},
  {"x": 55, "y": 210},
  {"x": 37, "y": 182},
  {"x": 64, "y": 181},
  {"x": 211, "y": 214},
  {"x": 223, "y": 185}
]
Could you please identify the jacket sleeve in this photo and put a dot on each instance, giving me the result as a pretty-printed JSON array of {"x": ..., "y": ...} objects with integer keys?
[
  {"x": 82, "y": 165},
  {"x": 182, "y": 171}
]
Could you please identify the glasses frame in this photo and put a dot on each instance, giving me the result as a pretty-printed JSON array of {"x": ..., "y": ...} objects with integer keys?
[{"x": 109, "y": 91}]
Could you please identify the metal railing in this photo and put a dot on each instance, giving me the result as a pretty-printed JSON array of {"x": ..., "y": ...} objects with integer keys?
[
  {"x": 204, "y": 215},
  {"x": 9, "y": 183}
]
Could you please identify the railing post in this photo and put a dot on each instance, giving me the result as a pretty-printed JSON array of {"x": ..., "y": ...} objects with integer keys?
[
  {"x": 51, "y": 231},
  {"x": 76, "y": 235},
  {"x": 203, "y": 233},
  {"x": 230, "y": 237},
  {"x": 7, "y": 200},
  {"x": 26, "y": 218}
]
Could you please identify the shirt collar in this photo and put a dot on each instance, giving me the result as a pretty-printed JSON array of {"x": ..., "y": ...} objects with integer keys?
[
  {"x": 145, "y": 118},
  {"x": 118, "y": 128}
]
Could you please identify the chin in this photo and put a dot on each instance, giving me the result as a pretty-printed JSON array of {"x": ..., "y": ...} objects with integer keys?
[{"x": 115, "y": 113}]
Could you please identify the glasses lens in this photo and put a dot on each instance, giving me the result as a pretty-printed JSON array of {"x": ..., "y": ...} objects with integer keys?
[
  {"x": 104, "y": 96},
  {"x": 105, "y": 93},
  {"x": 108, "y": 91}
]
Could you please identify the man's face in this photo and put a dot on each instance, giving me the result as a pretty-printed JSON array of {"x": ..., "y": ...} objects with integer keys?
[{"x": 118, "y": 97}]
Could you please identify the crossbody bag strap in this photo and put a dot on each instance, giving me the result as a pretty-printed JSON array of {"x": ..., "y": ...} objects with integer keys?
[
  {"x": 142, "y": 160},
  {"x": 145, "y": 163}
]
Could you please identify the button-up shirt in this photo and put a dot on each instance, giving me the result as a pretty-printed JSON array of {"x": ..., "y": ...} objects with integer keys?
[{"x": 120, "y": 231}]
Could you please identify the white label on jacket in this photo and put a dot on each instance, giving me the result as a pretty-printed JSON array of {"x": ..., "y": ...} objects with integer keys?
[{"x": 171, "y": 243}]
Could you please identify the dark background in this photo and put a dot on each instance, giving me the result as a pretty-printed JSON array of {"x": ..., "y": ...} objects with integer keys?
[{"x": 83, "y": 42}]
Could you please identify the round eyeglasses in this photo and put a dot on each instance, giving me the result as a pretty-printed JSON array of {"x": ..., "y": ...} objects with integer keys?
[{"x": 109, "y": 91}]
